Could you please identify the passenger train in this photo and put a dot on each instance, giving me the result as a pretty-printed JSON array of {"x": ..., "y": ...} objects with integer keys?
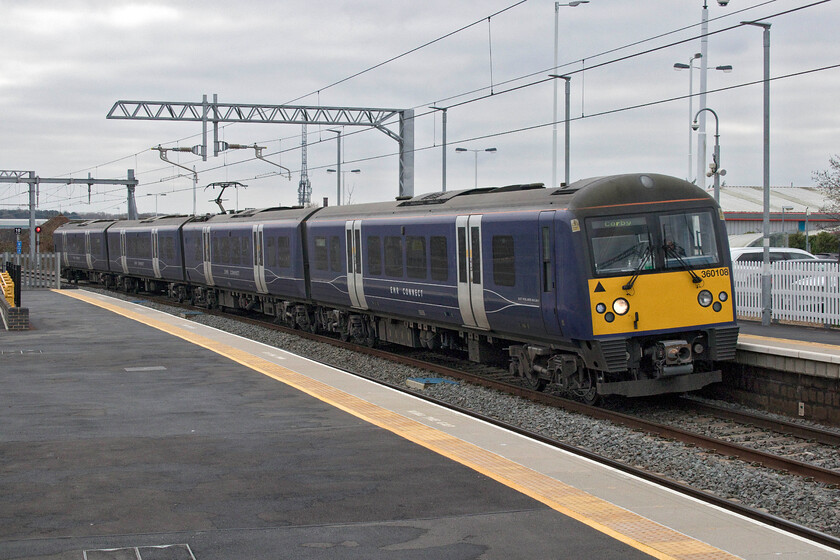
[{"x": 616, "y": 285}]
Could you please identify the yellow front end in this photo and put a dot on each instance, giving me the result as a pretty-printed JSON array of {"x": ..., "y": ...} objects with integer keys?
[{"x": 656, "y": 302}]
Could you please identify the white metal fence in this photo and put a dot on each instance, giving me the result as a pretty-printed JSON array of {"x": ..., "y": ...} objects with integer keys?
[
  {"x": 800, "y": 291},
  {"x": 44, "y": 271}
]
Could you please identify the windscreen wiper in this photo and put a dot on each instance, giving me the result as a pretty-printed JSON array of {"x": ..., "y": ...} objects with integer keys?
[
  {"x": 672, "y": 248},
  {"x": 645, "y": 255}
]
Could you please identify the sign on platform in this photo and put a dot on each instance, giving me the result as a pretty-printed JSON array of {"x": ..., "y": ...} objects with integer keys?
[
  {"x": 19, "y": 247},
  {"x": 18, "y": 231}
]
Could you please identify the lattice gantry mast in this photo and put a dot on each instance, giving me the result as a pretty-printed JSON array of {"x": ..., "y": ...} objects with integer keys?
[
  {"x": 304, "y": 187},
  {"x": 215, "y": 112}
]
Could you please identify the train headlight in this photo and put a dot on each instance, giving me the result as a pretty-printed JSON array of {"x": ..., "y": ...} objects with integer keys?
[
  {"x": 600, "y": 308},
  {"x": 704, "y": 298},
  {"x": 723, "y": 296},
  {"x": 621, "y": 307}
]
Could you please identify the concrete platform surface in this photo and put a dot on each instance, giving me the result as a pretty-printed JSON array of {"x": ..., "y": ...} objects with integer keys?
[{"x": 127, "y": 433}]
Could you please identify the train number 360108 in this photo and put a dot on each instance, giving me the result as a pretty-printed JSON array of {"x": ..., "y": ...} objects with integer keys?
[{"x": 712, "y": 272}]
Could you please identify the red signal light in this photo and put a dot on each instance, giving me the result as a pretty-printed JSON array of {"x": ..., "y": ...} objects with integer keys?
[{"x": 37, "y": 229}]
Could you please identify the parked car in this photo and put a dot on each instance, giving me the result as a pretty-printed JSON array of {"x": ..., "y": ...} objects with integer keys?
[{"x": 756, "y": 254}]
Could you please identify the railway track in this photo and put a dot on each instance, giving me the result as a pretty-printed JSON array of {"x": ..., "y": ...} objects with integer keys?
[{"x": 500, "y": 380}]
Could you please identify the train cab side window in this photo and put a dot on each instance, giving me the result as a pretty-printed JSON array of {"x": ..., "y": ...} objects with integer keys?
[
  {"x": 504, "y": 262},
  {"x": 415, "y": 257},
  {"x": 440, "y": 262},
  {"x": 393, "y": 257},
  {"x": 169, "y": 249},
  {"x": 214, "y": 246},
  {"x": 284, "y": 253},
  {"x": 321, "y": 252},
  {"x": 374, "y": 255},
  {"x": 335, "y": 253}
]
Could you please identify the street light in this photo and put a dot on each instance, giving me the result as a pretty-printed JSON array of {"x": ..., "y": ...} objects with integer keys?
[
  {"x": 156, "y": 195},
  {"x": 714, "y": 168},
  {"x": 784, "y": 231},
  {"x": 765, "y": 268},
  {"x": 690, "y": 67},
  {"x": 490, "y": 150},
  {"x": 340, "y": 177},
  {"x": 557, "y": 6},
  {"x": 338, "y": 165}
]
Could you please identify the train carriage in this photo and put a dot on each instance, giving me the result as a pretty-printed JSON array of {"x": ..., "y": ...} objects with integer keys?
[{"x": 83, "y": 248}]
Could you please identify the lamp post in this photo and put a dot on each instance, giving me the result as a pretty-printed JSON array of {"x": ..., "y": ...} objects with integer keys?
[
  {"x": 557, "y": 6},
  {"x": 476, "y": 152},
  {"x": 443, "y": 148},
  {"x": 784, "y": 231},
  {"x": 807, "y": 237},
  {"x": 714, "y": 169},
  {"x": 690, "y": 67},
  {"x": 338, "y": 165},
  {"x": 765, "y": 269},
  {"x": 156, "y": 195},
  {"x": 340, "y": 177}
]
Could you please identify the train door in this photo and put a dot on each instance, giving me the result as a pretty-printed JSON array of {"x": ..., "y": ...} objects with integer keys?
[
  {"x": 207, "y": 255},
  {"x": 88, "y": 254},
  {"x": 355, "y": 285},
  {"x": 123, "y": 258},
  {"x": 155, "y": 253},
  {"x": 548, "y": 273},
  {"x": 259, "y": 259},
  {"x": 470, "y": 280}
]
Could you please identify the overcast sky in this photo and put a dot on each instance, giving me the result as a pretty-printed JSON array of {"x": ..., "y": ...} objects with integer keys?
[{"x": 65, "y": 63}]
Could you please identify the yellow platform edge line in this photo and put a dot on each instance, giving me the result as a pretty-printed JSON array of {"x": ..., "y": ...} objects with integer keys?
[{"x": 650, "y": 537}]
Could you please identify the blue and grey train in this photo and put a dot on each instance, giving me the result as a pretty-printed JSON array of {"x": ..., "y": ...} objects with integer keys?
[{"x": 616, "y": 285}]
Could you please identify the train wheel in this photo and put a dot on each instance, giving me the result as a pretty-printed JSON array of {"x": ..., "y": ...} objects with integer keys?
[{"x": 588, "y": 391}]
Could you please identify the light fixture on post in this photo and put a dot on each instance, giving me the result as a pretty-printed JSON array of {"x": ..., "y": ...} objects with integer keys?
[
  {"x": 714, "y": 168},
  {"x": 197, "y": 150},
  {"x": 476, "y": 152},
  {"x": 690, "y": 67},
  {"x": 557, "y": 6}
]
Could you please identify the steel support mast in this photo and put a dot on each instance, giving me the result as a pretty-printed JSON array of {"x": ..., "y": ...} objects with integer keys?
[{"x": 215, "y": 112}]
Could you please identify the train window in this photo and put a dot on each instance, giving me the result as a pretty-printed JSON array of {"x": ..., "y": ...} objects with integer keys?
[
  {"x": 214, "y": 246},
  {"x": 440, "y": 261},
  {"x": 236, "y": 248},
  {"x": 620, "y": 244},
  {"x": 393, "y": 256},
  {"x": 321, "y": 252},
  {"x": 224, "y": 254},
  {"x": 358, "y": 246},
  {"x": 689, "y": 239},
  {"x": 462, "y": 255},
  {"x": 95, "y": 245},
  {"x": 284, "y": 253},
  {"x": 415, "y": 256},
  {"x": 374, "y": 255},
  {"x": 168, "y": 249},
  {"x": 144, "y": 246},
  {"x": 504, "y": 262},
  {"x": 335, "y": 253},
  {"x": 475, "y": 254},
  {"x": 270, "y": 253}
]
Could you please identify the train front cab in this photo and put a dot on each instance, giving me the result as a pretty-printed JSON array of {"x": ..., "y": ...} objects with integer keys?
[{"x": 661, "y": 303}]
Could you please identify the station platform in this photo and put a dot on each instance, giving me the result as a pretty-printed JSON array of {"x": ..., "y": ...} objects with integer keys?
[{"x": 129, "y": 433}]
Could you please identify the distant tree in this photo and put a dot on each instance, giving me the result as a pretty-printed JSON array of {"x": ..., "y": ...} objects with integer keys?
[{"x": 828, "y": 182}]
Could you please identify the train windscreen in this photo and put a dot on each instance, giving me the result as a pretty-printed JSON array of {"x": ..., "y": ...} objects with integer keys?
[{"x": 660, "y": 241}]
